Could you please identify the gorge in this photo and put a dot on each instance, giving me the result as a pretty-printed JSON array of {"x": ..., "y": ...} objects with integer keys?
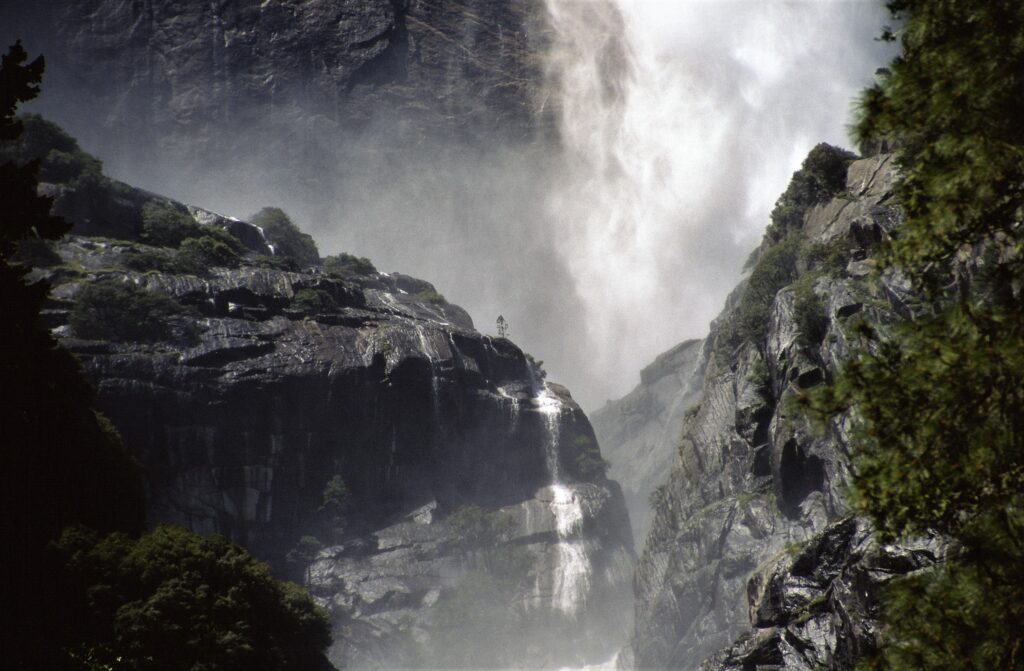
[{"x": 582, "y": 167}]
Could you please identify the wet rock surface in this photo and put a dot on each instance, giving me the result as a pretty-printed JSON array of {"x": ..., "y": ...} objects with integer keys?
[
  {"x": 752, "y": 560},
  {"x": 243, "y": 413}
]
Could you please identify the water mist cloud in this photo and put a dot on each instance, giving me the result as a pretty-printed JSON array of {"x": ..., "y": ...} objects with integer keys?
[{"x": 668, "y": 186}]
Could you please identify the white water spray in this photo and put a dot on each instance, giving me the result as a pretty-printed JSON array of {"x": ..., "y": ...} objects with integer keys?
[
  {"x": 681, "y": 122},
  {"x": 571, "y": 578}
]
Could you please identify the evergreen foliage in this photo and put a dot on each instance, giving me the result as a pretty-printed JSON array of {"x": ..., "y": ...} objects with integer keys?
[
  {"x": 346, "y": 265},
  {"x": 120, "y": 311},
  {"x": 61, "y": 463},
  {"x": 337, "y": 501},
  {"x": 164, "y": 225},
  {"x": 313, "y": 301},
  {"x": 821, "y": 176},
  {"x": 941, "y": 402},
  {"x": 808, "y": 313},
  {"x": 77, "y": 596},
  {"x": 174, "y": 600},
  {"x": 286, "y": 237},
  {"x": 775, "y": 269},
  {"x": 588, "y": 463}
]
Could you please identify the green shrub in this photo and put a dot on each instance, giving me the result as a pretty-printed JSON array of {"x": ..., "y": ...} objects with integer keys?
[
  {"x": 829, "y": 258},
  {"x": 346, "y": 265},
  {"x": 166, "y": 226},
  {"x": 175, "y": 600},
  {"x": 284, "y": 263},
  {"x": 119, "y": 311},
  {"x": 657, "y": 496},
  {"x": 809, "y": 313},
  {"x": 336, "y": 503},
  {"x": 430, "y": 296},
  {"x": 286, "y": 237},
  {"x": 208, "y": 251},
  {"x": 475, "y": 528},
  {"x": 821, "y": 176},
  {"x": 775, "y": 269},
  {"x": 313, "y": 301},
  {"x": 589, "y": 465},
  {"x": 61, "y": 160},
  {"x": 37, "y": 253}
]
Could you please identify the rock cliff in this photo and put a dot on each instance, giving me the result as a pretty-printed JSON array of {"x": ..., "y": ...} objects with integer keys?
[
  {"x": 753, "y": 560},
  {"x": 254, "y": 385},
  {"x": 216, "y": 84},
  {"x": 637, "y": 433}
]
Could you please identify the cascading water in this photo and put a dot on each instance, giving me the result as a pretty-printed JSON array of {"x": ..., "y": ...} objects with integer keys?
[
  {"x": 571, "y": 578},
  {"x": 435, "y": 381}
]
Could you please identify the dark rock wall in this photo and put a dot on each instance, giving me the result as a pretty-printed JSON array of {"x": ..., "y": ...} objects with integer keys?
[
  {"x": 221, "y": 82},
  {"x": 239, "y": 429},
  {"x": 753, "y": 485}
]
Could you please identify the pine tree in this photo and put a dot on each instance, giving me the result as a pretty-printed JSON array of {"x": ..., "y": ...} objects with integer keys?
[{"x": 941, "y": 401}]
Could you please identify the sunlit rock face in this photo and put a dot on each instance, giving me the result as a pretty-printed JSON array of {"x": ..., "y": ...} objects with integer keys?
[
  {"x": 240, "y": 428},
  {"x": 752, "y": 559}
]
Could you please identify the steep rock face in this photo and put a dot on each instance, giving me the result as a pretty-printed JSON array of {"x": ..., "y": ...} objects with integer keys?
[
  {"x": 817, "y": 605},
  {"x": 215, "y": 80},
  {"x": 753, "y": 482},
  {"x": 248, "y": 408},
  {"x": 638, "y": 432}
]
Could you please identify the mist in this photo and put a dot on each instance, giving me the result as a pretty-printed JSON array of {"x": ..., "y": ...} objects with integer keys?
[{"x": 678, "y": 124}]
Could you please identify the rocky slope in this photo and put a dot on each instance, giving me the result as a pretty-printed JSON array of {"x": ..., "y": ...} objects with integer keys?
[
  {"x": 638, "y": 432},
  {"x": 753, "y": 560},
  {"x": 265, "y": 383}
]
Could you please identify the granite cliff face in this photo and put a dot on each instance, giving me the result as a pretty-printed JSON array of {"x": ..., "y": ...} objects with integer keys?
[
  {"x": 213, "y": 81},
  {"x": 272, "y": 382},
  {"x": 753, "y": 560},
  {"x": 638, "y": 432}
]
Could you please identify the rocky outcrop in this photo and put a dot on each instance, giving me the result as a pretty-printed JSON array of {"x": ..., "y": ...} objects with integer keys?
[
  {"x": 277, "y": 382},
  {"x": 816, "y": 606},
  {"x": 753, "y": 483},
  {"x": 638, "y": 432}
]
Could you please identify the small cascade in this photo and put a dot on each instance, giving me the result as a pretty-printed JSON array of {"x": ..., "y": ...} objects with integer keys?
[
  {"x": 571, "y": 578},
  {"x": 513, "y": 410},
  {"x": 435, "y": 381}
]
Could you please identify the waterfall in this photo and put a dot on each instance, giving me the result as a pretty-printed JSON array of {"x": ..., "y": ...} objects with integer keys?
[
  {"x": 571, "y": 576},
  {"x": 435, "y": 382}
]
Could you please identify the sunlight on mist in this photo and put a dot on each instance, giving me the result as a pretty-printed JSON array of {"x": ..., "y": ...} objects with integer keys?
[{"x": 682, "y": 124}]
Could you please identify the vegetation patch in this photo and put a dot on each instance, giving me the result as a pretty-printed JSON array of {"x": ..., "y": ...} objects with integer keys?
[
  {"x": 122, "y": 312},
  {"x": 588, "y": 463},
  {"x": 288, "y": 240},
  {"x": 430, "y": 296},
  {"x": 313, "y": 302},
  {"x": 189, "y": 602},
  {"x": 348, "y": 265},
  {"x": 809, "y": 313}
]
